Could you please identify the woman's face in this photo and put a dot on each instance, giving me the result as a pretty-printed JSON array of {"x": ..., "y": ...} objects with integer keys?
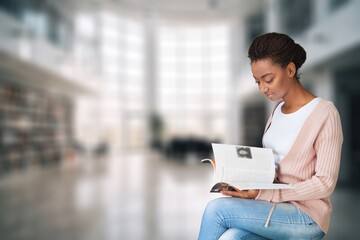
[{"x": 273, "y": 80}]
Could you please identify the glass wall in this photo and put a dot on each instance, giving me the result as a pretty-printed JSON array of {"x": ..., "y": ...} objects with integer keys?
[
  {"x": 122, "y": 58},
  {"x": 193, "y": 80},
  {"x": 296, "y": 15}
]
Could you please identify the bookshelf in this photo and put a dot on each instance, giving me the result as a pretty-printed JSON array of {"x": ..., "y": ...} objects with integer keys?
[{"x": 35, "y": 127}]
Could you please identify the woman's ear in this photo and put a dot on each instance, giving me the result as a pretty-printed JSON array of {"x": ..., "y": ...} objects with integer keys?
[{"x": 291, "y": 69}]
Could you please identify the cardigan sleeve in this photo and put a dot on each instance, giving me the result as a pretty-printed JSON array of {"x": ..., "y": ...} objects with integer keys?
[{"x": 321, "y": 185}]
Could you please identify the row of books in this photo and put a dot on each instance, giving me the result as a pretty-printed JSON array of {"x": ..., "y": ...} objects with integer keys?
[{"x": 35, "y": 126}]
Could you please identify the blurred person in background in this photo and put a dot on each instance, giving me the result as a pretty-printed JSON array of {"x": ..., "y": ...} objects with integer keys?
[{"x": 304, "y": 131}]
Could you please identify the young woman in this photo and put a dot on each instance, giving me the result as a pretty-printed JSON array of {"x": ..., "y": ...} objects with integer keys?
[{"x": 305, "y": 134}]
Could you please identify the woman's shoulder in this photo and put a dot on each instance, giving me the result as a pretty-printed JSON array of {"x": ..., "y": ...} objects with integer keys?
[
  {"x": 326, "y": 109},
  {"x": 327, "y": 105},
  {"x": 325, "y": 102}
]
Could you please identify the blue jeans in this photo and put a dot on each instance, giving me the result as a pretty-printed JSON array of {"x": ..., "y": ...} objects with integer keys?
[{"x": 236, "y": 218}]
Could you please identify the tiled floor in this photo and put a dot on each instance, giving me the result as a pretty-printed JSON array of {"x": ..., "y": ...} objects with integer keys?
[{"x": 132, "y": 196}]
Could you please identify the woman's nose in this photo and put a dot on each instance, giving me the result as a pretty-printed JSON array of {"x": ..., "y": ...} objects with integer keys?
[{"x": 263, "y": 88}]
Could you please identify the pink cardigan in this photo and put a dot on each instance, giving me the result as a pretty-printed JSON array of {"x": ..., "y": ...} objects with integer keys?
[{"x": 312, "y": 165}]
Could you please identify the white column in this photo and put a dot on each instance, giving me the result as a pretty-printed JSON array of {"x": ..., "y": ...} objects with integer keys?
[
  {"x": 150, "y": 63},
  {"x": 273, "y": 16},
  {"x": 321, "y": 9},
  {"x": 236, "y": 48},
  {"x": 150, "y": 179}
]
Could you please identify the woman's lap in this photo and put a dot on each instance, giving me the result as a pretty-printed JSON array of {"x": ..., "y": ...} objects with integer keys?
[{"x": 286, "y": 222}]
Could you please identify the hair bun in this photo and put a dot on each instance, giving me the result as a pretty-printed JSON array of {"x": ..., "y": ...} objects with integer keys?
[{"x": 300, "y": 56}]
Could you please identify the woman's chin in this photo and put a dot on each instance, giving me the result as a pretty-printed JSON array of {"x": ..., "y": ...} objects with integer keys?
[{"x": 270, "y": 97}]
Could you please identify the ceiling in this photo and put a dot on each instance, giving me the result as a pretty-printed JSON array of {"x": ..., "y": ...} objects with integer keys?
[{"x": 169, "y": 8}]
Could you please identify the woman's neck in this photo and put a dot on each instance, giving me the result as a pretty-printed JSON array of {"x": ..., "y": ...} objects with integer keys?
[{"x": 296, "y": 98}]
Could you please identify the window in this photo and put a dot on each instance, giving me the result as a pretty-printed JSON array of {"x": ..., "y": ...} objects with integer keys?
[
  {"x": 336, "y": 4},
  {"x": 255, "y": 25},
  {"x": 296, "y": 15},
  {"x": 122, "y": 58},
  {"x": 193, "y": 81}
]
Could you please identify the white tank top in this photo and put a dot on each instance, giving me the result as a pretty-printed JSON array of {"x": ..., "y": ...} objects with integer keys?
[{"x": 284, "y": 129}]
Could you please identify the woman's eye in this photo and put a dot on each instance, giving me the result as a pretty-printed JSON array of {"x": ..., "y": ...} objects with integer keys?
[
  {"x": 257, "y": 82},
  {"x": 269, "y": 81}
]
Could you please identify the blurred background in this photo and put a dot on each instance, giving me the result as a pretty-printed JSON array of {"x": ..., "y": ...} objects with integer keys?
[{"x": 108, "y": 106}]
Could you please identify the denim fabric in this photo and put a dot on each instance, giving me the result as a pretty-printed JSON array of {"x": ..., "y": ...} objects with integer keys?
[{"x": 236, "y": 218}]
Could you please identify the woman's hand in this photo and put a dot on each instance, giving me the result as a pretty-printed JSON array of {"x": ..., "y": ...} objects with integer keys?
[{"x": 249, "y": 194}]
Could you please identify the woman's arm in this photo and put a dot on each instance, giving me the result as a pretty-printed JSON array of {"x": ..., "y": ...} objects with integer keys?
[{"x": 322, "y": 183}]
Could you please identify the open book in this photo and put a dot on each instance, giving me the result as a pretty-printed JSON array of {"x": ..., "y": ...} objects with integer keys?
[{"x": 244, "y": 168}]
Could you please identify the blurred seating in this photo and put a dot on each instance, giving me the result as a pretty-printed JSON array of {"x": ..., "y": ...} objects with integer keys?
[
  {"x": 180, "y": 148},
  {"x": 101, "y": 149}
]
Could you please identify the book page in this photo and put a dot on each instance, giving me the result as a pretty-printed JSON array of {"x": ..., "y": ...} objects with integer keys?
[
  {"x": 243, "y": 164},
  {"x": 246, "y": 176},
  {"x": 244, "y": 168}
]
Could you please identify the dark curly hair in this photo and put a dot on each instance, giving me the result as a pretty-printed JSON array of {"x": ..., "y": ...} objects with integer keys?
[{"x": 278, "y": 47}]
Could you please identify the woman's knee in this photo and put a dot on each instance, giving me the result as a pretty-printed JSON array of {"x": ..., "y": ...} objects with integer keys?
[
  {"x": 212, "y": 206},
  {"x": 216, "y": 204},
  {"x": 214, "y": 209}
]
